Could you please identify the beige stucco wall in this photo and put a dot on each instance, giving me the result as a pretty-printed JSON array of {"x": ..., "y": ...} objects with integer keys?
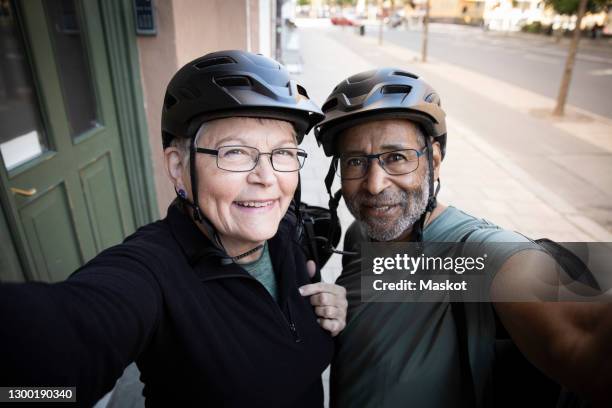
[
  {"x": 453, "y": 9},
  {"x": 206, "y": 26},
  {"x": 445, "y": 9},
  {"x": 187, "y": 29},
  {"x": 254, "y": 26},
  {"x": 158, "y": 62}
]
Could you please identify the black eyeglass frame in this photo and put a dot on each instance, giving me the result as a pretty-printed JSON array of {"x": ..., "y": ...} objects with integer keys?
[
  {"x": 377, "y": 156},
  {"x": 215, "y": 152}
]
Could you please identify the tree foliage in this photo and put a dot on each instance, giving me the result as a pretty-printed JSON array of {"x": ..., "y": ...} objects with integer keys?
[{"x": 570, "y": 7}]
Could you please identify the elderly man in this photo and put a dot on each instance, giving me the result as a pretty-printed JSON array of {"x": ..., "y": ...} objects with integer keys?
[{"x": 386, "y": 132}]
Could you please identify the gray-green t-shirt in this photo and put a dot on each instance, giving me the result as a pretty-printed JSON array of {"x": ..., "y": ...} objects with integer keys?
[
  {"x": 261, "y": 269},
  {"x": 406, "y": 354}
]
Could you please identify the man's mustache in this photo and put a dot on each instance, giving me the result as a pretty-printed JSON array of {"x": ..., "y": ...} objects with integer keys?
[{"x": 382, "y": 199}]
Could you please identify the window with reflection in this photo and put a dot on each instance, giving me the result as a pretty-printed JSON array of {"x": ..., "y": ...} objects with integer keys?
[
  {"x": 21, "y": 133},
  {"x": 72, "y": 60}
]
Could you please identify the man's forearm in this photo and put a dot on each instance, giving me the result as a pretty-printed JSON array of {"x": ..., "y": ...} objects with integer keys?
[
  {"x": 570, "y": 342},
  {"x": 594, "y": 354}
]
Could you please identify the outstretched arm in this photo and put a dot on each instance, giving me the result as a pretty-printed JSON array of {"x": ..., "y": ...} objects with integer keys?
[
  {"x": 570, "y": 341},
  {"x": 81, "y": 332}
]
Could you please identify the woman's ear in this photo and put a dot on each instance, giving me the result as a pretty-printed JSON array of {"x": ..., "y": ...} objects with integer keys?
[
  {"x": 176, "y": 166},
  {"x": 437, "y": 159}
]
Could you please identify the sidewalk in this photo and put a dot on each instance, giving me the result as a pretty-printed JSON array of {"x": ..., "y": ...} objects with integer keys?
[{"x": 477, "y": 176}]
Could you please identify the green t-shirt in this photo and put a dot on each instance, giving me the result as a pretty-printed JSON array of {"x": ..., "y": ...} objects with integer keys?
[
  {"x": 406, "y": 354},
  {"x": 261, "y": 269}
]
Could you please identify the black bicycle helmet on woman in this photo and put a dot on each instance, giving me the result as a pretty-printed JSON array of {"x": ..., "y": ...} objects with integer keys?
[
  {"x": 385, "y": 93},
  {"x": 227, "y": 84}
]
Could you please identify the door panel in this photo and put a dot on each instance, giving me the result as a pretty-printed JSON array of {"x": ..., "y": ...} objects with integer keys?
[
  {"x": 51, "y": 235},
  {"x": 102, "y": 197},
  {"x": 10, "y": 267}
]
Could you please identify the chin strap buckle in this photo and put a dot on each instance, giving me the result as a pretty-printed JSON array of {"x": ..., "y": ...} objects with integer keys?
[
  {"x": 431, "y": 204},
  {"x": 197, "y": 213}
]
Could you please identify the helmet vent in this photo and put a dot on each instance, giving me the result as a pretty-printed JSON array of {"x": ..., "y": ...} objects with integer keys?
[
  {"x": 406, "y": 74},
  {"x": 362, "y": 76},
  {"x": 233, "y": 81},
  {"x": 302, "y": 91},
  {"x": 329, "y": 105},
  {"x": 433, "y": 98},
  {"x": 214, "y": 61},
  {"x": 396, "y": 89},
  {"x": 169, "y": 101},
  {"x": 189, "y": 93}
]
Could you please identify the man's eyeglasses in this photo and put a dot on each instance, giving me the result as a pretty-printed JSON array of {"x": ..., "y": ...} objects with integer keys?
[
  {"x": 245, "y": 158},
  {"x": 395, "y": 163}
]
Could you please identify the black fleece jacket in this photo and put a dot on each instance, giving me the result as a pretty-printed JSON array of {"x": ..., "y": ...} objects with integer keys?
[{"x": 202, "y": 333}]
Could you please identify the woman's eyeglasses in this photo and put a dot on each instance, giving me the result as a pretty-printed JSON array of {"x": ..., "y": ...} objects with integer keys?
[{"x": 245, "y": 158}]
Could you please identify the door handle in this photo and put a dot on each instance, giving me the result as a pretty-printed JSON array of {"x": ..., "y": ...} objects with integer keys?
[{"x": 22, "y": 192}]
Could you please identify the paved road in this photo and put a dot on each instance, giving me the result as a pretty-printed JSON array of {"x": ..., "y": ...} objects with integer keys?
[{"x": 533, "y": 62}]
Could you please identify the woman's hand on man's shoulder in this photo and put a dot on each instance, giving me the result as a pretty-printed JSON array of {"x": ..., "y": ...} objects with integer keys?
[{"x": 329, "y": 302}]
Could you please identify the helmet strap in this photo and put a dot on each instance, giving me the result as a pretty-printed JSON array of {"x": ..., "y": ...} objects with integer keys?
[
  {"x": 197, "y": 213},
  {"x": 297, "y": 202},
  {"x": 334, "y": 201},
  {"x": 432, "y": 202}
]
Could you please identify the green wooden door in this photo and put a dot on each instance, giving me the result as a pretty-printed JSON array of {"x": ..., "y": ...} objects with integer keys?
[{"x": 62, "y": 162}]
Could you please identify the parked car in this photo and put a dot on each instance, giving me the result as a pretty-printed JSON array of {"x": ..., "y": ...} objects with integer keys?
[{"x": 345, "y": 20}]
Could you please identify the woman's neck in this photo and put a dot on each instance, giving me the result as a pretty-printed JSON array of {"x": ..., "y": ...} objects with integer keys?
[{"x": 236, "y": 248}]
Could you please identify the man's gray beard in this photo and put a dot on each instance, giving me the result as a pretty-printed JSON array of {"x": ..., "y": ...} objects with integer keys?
[{"x": 413, "y": 203}]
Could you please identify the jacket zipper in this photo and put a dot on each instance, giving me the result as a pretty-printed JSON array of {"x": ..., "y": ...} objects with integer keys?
[
  {"x": 288, "y": 319},
  {"x": 296, "y": 335}
]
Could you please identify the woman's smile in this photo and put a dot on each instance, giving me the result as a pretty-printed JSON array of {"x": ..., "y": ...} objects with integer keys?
[{"x": 255, "y": 206}]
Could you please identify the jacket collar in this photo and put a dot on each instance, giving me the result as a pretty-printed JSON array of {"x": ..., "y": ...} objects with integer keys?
[
  {"x": 194, "y": 244},
  {"x": 206, "y": 259}
]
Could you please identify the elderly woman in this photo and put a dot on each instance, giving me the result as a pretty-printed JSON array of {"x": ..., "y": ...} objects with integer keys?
[{"x": 213, "y": 302}]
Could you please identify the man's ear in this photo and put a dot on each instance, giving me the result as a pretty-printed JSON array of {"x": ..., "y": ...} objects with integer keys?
[
  {"x": 437, "y": 159},
  {"x": 176, "y": 168}
]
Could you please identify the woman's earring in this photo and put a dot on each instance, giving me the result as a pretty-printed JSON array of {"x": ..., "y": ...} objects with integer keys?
[{"x": 182, "y": 193}]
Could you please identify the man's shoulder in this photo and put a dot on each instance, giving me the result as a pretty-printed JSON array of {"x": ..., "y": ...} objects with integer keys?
[{"x": 455, "y": 225}]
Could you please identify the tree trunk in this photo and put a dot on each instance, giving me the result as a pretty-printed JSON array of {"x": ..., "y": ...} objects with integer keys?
[
  {"x": 558, "y": 35},
  {"x": 425, "y": 32},
  {"x": 382, "y": 19},
  {"x": 569, "y": 63},
  {"x": 278, "y": 28}
]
